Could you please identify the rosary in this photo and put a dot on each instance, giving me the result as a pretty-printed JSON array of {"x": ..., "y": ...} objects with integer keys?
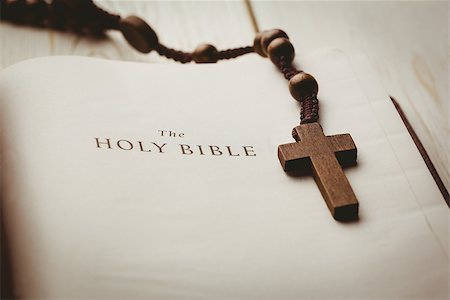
[{"x": 312, "y": 153}]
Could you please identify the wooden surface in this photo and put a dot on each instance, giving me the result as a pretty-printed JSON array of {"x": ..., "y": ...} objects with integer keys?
[
  {"x": 324, "y": 157},
  {"x": 407, "y": 43}
]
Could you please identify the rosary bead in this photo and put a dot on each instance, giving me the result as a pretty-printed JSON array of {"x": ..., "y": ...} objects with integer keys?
[
  {"x": 281, "y": 47},
  {"x": 303, "y": 85},
  {"x": 139, "y": 34},
  {"x": 268, "y": 36},
  {"x": 257, "y": 44},
  {"x": 205, "y": 53}
]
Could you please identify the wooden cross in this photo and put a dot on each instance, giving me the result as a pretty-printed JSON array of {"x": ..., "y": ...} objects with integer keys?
[{"x": 323, "y": 156}]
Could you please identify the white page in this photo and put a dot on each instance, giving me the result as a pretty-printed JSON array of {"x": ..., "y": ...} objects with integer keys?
[{"x": 86, "y": 222}]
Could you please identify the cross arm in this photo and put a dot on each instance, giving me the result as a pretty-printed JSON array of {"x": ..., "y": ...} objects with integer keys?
[
  {"x": 292, "y": 158},
  {"x": 344, "y": 148}
]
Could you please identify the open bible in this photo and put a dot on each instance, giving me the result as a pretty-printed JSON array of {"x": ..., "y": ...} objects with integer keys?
[{"x": 134, "y": 181}]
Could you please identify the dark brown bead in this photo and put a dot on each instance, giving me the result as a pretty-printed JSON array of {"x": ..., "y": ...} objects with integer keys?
[
  {"x": 303, "y": 85},
  {"x": 268, "y": 36},
  {"x": 281, "y": 47},
  {"x": 205, "y": 53},
  {"x": 139, "y": 34},
  {"x": 257, "y": 44}
]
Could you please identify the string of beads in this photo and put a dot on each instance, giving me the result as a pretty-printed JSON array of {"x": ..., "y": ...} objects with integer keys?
[{"x": 84, "y": 17}]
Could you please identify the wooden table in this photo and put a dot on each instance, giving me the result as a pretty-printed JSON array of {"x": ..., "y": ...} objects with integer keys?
[{"x": 407, "y": 43}]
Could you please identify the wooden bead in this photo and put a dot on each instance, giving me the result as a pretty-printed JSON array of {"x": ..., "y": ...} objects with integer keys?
[
  {"x": 205, "y": 53},
  {"x": 268, "y": 36},
  {"x": 303, "y": 85},
  {"x": 139, "y": 34},
  {"x": 257, "y": 44},
  {"x": 281, "y": 47}
]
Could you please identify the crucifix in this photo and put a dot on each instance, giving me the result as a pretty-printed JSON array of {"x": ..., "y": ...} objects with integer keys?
[{"x": 324, "y": 156}]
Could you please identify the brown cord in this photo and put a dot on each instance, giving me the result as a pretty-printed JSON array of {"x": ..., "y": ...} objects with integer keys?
[
  {"x": 186, "y": 57},
  {"x": 179, "y": 56},
  {"x": 288, "y": 70},
  {"x": 85, "y": 17},
  {"x": 233, "y": 53},
  {"x": 309, "y": 112}
]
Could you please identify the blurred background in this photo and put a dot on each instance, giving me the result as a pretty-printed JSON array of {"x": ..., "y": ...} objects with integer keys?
[{"x": 406, "y": 42}]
